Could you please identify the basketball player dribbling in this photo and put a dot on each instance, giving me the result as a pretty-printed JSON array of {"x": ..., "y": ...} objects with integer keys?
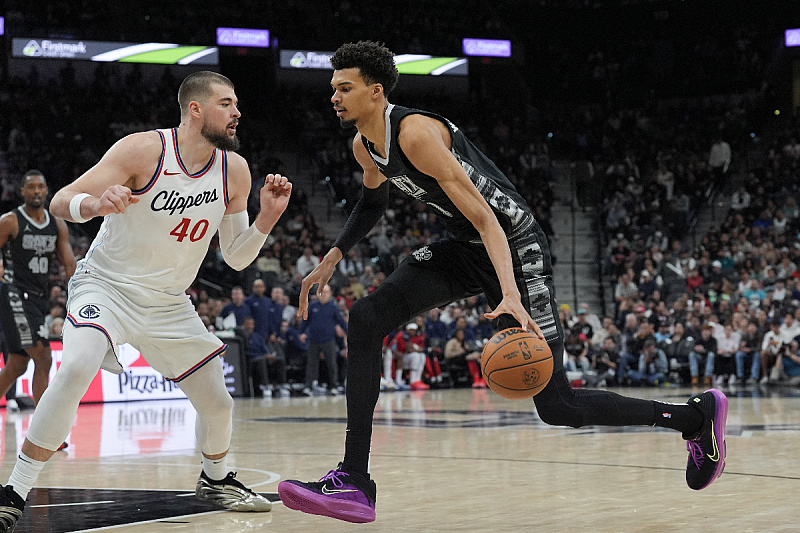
[
  {"x": 163, "y": 195},
  {"x": 497, "y": 248}
]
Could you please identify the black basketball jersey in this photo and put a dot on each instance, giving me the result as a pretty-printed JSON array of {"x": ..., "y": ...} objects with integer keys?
[
  {"x": 511, "y": 210},
  {"x": 28, "y": 257}
]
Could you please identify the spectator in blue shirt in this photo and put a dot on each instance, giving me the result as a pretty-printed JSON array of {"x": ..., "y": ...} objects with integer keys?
[
  {"x": 461, "y": 323},
  {"x": 320, "y": 329},
  {"x": 235, "y": 307},
  {"x": 436, "y": 330},
  {"x": 274, "y": 310},
  {"x": 484, "y": 329},
  {"x": 259, "y": 307},
  {"x": 266, "y": 357}
]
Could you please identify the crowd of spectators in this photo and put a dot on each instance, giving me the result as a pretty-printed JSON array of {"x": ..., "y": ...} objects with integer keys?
[
  {"x": 723, "y": 306},
  {"x": 643, "y": 114}
]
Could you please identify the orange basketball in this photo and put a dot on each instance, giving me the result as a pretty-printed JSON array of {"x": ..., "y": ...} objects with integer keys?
[{"x": 516, "y": 364}]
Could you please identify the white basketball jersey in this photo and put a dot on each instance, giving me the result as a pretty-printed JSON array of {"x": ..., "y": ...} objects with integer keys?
[{"x": 160, "y": 242}]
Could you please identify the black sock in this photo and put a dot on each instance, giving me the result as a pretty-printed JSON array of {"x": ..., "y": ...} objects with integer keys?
[
  {"x": 679, "y": 416},
  {"x": 356, "y": 458}
]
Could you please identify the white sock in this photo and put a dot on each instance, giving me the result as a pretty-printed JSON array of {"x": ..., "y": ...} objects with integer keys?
[
  {"x": 398, "y": 376},
  {"x": 25, "y": 473},
  {"x": 215, "y": 469},
  {"x": 387, "y": 366}
]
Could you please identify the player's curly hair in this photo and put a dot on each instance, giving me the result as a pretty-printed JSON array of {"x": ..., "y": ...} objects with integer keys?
[{"x": 374, "y": 60}]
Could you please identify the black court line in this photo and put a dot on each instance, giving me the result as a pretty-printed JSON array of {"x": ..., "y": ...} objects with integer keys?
[
  {"x": 503, "y": 419},
  {"x": 66, "y": 510}
]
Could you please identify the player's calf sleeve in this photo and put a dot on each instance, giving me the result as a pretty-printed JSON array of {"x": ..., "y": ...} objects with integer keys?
[
  {"x": 371, "y": 319},
  {"x": 214, "y": 405},
  {"x": 84, "y": 349},
  {"x": 561, "y": 405}
]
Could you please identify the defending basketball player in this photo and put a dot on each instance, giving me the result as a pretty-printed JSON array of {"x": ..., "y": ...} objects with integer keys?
[
  {"x": 163, "y": 195},
  {"x": 498, "y": 248}
]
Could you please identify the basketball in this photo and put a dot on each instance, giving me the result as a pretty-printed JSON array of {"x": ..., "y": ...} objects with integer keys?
[{"x": 516, "y": 364}]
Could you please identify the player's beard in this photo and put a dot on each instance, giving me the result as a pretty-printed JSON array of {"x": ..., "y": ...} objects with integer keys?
[
  {"x": 347, "y": 124},
  {"x": 35, "y": 203},
  {"x": 220, "y": 139}
]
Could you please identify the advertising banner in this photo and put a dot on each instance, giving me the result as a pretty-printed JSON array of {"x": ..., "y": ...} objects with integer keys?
[
  {"x": 486, "y": 47},
  {"x": 156, "y": 53},
  {"x": 139, "y": 381},
  {"x": 243, "y": 37},
  {"x": 418, "y": 64}
]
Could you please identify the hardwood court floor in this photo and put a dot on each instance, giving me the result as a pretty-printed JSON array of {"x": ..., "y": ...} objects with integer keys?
[{"x": 452, "y": 460}]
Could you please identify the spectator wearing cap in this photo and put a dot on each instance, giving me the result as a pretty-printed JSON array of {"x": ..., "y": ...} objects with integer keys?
[
  {"x": 714, "y": 275},
  {"x": 581, "y": 325},
  {"x": 703, "y": 353},
  {"x": 591, "y": 318},
  {"x": 663, "y": 333},
  {"x": 658, "y": 239},
  {"x": 653, "y": 365},
  {"x": 647, "y": 285},
  {"x": 408, "y": 347}
]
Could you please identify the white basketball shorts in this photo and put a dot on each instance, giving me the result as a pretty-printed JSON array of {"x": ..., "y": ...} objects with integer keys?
[{"x": 165, "y": 328}]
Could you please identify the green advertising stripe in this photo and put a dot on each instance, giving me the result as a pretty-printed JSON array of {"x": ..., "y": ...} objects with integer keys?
[
  {"x": 168, "y": 56},
  {"x": 424, "y": 66}
]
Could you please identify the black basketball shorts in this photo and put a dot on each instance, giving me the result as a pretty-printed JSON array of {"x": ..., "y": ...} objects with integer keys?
[{"x": 22, "y": 314}]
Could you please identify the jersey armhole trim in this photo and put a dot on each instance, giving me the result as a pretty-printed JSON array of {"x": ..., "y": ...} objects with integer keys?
[
  {"x": 157, "y": 173},
  {"x": 225, "y": 195}
]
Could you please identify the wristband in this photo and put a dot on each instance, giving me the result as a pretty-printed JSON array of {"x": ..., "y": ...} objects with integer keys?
[{"x": 75, "y": 207}]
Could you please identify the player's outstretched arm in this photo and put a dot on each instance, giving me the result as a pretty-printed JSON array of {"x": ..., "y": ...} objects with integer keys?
[
  {"x": 106, "y": 187},
  {"x": 367, "y": 212},
  {"x": 240, "y": 242},
  {"x": 423, "y": 140}
]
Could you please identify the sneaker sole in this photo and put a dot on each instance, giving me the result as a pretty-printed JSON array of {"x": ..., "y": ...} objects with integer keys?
[
  {"x": 720, "y": 420},
  {"x": 307, "y": 501}
]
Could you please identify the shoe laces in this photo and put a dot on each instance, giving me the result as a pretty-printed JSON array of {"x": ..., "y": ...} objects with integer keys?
[
  {"x": 696, "y": 453},
  {"x": 334, "y": 476}
]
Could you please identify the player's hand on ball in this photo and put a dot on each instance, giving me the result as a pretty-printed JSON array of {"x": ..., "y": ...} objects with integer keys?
[{"x": 514, "y": 307}]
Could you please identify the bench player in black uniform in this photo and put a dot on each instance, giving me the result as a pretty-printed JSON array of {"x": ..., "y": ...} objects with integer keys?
[
  {"x": 31, "y": 239},
  {"x": 497, "y": 248}
]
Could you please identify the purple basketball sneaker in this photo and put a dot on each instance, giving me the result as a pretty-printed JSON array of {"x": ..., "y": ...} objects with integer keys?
[
  {"x": 343, "y": 495},
  {"x": 707, "y": 447}
]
